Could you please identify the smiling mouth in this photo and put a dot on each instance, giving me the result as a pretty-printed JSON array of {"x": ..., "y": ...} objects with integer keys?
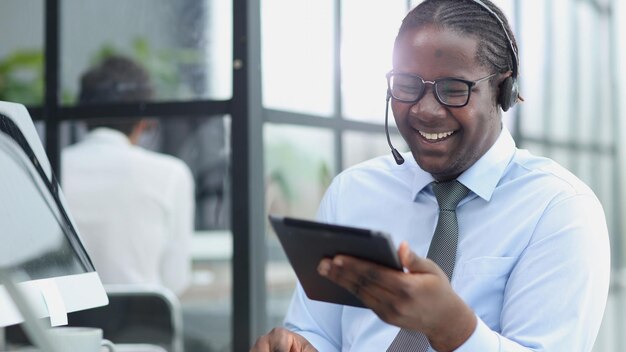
[{"x": 435, "y": 137}]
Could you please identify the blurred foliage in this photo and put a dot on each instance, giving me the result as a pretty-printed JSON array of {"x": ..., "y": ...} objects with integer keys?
[
  {"x": 162, "y": 64},
  {"x": 289, "y": 165},
  {"x": 22, "y": 77}
]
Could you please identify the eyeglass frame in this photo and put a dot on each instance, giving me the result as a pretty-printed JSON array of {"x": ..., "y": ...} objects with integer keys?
[{"x": 470, "y": 85}]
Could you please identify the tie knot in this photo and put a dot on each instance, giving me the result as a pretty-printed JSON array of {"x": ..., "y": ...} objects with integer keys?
[{"x": 449, "y": 194}]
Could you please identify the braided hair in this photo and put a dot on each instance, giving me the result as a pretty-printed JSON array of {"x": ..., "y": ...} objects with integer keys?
[{"x": 468, "y": 17}]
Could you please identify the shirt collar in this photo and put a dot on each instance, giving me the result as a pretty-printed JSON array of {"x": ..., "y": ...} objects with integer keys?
[
  {"x": 482, "y": 177},
  {"x": 108, "y": 135},
  {"x": 421, "y": 179}
]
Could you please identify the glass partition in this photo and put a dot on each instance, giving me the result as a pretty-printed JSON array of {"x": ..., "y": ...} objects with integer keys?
[
  {"x": 297, "y": 55},
  {"x": 21, "y": 52},
  {"x": 298, "y": 168},
  {"x": 368, "y": 30},
  {"x": 203, "y": 144},
  {"x": 185, "y": 45},
  {"x": 361, "y": 146}
]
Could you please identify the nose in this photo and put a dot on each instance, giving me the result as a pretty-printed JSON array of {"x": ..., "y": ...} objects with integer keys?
[{"x": 428, "y": 107}]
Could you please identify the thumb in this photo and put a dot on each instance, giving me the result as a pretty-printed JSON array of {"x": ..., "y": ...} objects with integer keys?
[{"x": 414, "y": 263}]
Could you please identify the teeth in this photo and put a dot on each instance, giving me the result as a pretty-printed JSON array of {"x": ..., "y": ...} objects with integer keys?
[{"x": 435, "y": 136}]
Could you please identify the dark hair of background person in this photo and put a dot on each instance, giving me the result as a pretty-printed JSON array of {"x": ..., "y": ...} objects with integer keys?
[
  {"x": 116, "y": 80},
  {"x": 468, "y": 17}
]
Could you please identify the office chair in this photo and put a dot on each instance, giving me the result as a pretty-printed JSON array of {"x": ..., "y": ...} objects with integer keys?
[
  {"x": 137, "y": 314},
  {"x": 138, "y": 318}
]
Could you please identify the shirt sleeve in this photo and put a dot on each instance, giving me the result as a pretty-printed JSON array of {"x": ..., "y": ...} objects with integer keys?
[
  {"x": 555, "y": 297},
  {"x": 176, "y": 258},
  {"x": 318, "y": 322}
]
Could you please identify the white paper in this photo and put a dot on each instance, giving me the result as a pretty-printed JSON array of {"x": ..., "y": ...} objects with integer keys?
[{"x": 54, "y": 302}]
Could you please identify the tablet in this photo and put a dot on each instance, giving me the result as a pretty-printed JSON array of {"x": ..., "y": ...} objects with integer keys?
[{"x": 307, "y": 242}]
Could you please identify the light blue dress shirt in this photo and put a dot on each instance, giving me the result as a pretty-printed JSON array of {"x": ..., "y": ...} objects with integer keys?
[{"x": 532, "y": 262}]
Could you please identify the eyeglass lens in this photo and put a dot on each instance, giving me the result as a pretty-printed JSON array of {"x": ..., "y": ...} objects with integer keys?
[{"x": 409, "y": 88}]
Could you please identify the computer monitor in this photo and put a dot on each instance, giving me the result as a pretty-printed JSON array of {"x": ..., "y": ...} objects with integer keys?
[{"x": 39, "y": 243}]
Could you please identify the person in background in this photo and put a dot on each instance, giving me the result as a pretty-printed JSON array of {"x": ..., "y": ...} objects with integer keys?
[
  {"x": 502, "y": 250},
  {"x": 134, "y": 208}
]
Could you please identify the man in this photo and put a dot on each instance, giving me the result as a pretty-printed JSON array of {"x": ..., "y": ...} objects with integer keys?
[
  {"x": 529, "y": 265},
  {"x": 134, "y": 208}
]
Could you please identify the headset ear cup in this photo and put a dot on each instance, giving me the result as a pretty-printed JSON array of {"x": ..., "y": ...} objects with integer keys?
[{"x": 506, "y": 92}]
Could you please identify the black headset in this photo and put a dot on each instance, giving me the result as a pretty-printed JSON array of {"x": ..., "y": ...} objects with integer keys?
[{"x": 508, "y": 89}]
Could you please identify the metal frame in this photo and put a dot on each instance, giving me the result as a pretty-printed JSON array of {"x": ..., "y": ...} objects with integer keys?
[
  {"x": 248, "y": 315},
  {"x": 52, "y": 44},
  {"x": 617, "y": 134},
  {"x": 338, "y": 102}
]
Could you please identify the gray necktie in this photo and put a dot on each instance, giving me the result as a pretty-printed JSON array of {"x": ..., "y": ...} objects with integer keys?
[{"x": 442, "y": 251}]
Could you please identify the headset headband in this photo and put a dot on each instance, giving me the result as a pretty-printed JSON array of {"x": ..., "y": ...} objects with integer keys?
[{"x": 506, "y": 33}]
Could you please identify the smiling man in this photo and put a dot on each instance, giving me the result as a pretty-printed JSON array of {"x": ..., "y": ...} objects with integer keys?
[
  {"x": 446, "y": 131},
  {"x": 503, "y": 250}
]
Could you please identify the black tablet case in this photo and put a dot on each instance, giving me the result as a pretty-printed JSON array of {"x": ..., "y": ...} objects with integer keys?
[{"x": 307, "y": 242}]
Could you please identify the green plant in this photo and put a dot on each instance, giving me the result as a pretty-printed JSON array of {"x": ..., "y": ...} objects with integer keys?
[
  {"x": 22, "y": 77},
  {"x": 163, "y": 65}
]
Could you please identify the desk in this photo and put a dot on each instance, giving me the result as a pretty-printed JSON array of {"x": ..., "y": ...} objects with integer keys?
[
  {"x": 122, "y": 347},
  {"x": 212, "y": 245},
  {"x": 136, "y": 347}
]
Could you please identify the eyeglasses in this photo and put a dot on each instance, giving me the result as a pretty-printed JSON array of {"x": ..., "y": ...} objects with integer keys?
[{"x": 452, "y": 92}]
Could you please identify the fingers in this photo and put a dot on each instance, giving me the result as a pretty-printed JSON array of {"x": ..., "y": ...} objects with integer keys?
[
  {"x": 415, "y": 263},
  {"x": 412, "y": 299},
  {"x": 275, "y": 340},
  {"x": 365, "y": 280},
  {"x": 282, "y": 340},
  {"x": 378, "y": 286}
]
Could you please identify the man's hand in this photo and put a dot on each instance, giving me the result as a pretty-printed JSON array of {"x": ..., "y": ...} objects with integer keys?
[
  {"x": 282, "y": 340},
  {"x": 421, "y": 299}
]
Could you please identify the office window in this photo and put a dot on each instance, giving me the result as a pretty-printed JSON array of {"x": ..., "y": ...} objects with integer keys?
[
  {"x": 571, "y": 113},
  {"x": 532, "y": 42},
  {"x": 591, "y": 82},
  {"x": 316, "y": 65},
  {"x": 203, "y": 144},
  {"x": 21, "y": 52},
  {"x": 186, "y": 45},
  {"x": 368, "y": 30},
  {"x": 361, "y": 146},
  {"x": 298, "y": 168},
  {"x": 619, "y": 43},
  {"x": 566, "y": 74},
  {"x": 297, "y": 55}
]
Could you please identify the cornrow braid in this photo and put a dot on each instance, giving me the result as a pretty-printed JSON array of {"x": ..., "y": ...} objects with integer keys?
[{"x": 468, "y": 17}]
